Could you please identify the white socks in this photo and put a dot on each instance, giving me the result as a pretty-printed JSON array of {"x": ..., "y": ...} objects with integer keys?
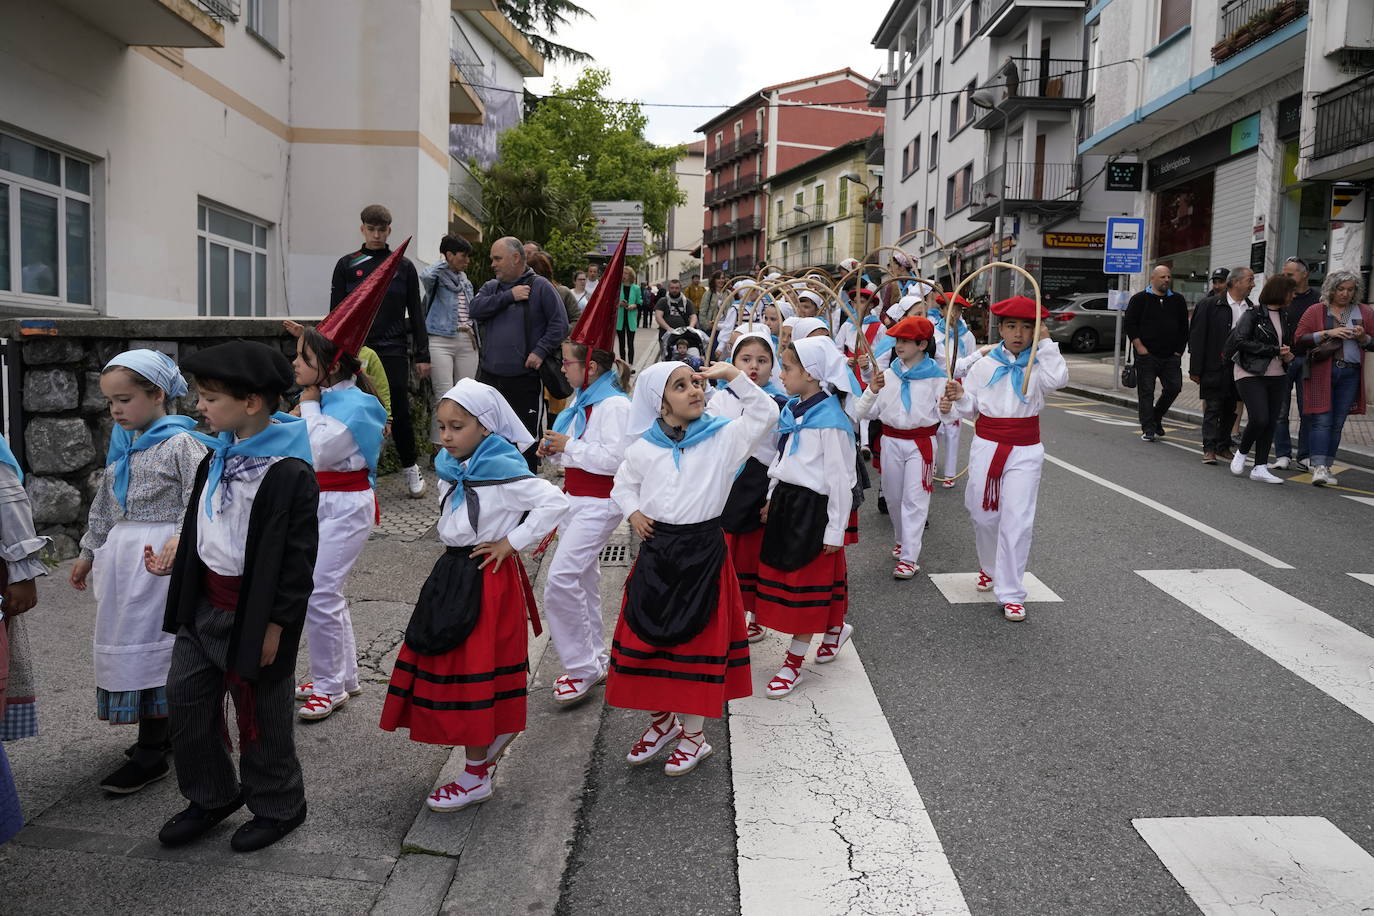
[{"x": 800, "y": 646}]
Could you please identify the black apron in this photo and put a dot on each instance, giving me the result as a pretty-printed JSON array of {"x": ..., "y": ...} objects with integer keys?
[
  {"x": 450, "y": 604},
  {"x": 675, "y": 585},
  {"x": 796, "y": 527},
  {"x": 747, "y": 496}
]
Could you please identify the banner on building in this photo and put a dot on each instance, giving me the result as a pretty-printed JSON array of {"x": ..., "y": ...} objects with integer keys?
[{"x": 1097, "y": 240}]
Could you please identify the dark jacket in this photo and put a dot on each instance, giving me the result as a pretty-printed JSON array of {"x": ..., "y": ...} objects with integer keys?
[
  {"x": 278, "y": 568},
  {"x": 400, "y": 322},
  {"x": 503, "y": 321},
  {"x": 1254, "y": 342},
  {"x": 1296, "y": 309},
  {"x": 1211, "y": 327},
  {"x": 1159, "y": 322}
]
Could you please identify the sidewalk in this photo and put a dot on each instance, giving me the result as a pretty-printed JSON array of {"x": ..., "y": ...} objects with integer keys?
[{"x": 1092, "y": 375}]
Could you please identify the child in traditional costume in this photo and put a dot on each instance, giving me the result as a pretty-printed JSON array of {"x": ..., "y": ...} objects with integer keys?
[
  {"x": 460, "y": 678},
  {"x": 956, "y": 346},
  {"x": 681, "y": 649},
  {"x": 241, "y": 581},
  {"x": 1006, "y": 456},
  {"x": 803, "y": 585},
  {"x": 141, "y": 501}
]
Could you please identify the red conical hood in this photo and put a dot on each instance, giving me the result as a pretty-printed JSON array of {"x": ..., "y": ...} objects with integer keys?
[
  {"x": 596, "y": 325},
  {"x": 347, "y": 326}
]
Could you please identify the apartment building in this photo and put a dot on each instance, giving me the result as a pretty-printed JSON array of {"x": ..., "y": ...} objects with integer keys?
[{"x": 817, "y": 217}]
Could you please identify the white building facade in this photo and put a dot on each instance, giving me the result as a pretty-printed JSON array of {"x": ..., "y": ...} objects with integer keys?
[{"x": 672, "y": 251}]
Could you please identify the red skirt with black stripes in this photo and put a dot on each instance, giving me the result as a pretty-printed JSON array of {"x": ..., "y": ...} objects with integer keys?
[
  {"x": 469, "y": 695},
  {"x": 744, "y": 552},
  {"x": 807, "y": 600},
  {"x": 697, "y": 677}
]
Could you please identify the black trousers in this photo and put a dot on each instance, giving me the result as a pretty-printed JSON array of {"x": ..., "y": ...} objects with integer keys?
[
  {"x": 1168, "y": 371},
  {"x": 626, "y": 337},
  {"x": 397, "y": 370},
  {"x": 646, "y": 313},
  {"x": 1218, "y": 416},
  {"x": 1263, "y": 396},
  {"x": 525, "y": 394}
]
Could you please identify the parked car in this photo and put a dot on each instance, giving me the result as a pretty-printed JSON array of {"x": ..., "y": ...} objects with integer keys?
[{"x": 1082, "y": 322}]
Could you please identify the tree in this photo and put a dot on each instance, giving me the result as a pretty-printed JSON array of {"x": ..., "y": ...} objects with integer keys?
[
  {"x": 577, "y": 147},
  {"x": 540, "y": 20}
]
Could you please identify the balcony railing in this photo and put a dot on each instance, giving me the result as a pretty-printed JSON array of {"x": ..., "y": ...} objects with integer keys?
[
  {"x": 802, "y": 218},
  {"x": 465, "y": 189},
  {"x": 1244, "y": 22},
  {"x": 158, "y": 23},
  {"x": 811, "y": 257},
  {"x": 873, "y": 149},
  {"x": 223, "y": 10},
  {"x": 1345, "y": 117},
  {"x": 747, "y": 224},
  {"x": 743, "y": 264},
  {"x": 1045, "y": 186},
  {"x": 728, "y": 189},
  {"x": 1033, "y": 82},
  {"x": 744, "y": 143}
]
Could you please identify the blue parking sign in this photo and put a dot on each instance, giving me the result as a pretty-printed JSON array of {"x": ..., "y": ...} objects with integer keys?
[{"x": 1125, "y": 252}]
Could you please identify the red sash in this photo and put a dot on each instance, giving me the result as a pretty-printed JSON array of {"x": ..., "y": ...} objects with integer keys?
[
  {"x": 222, "y": 591},
  {"x": 1007, "y": 432},
  {"x": 577, "y": 482},
  {"x": 349, "y": 482},
  {"x": 921, "y": 436}
]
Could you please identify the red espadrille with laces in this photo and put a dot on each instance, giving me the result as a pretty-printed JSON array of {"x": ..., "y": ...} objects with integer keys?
[
  {"x": 1014, "y": 611},
  {"x": 473, "y": 787},
  {"x": 319, "y": 706},
  {"x": 690, "y": 751},
  {"x": 984, "y": 582},
  {"x": 833, "y": 641},
  {"x": 788, "y": 676},
  {"x": 663, "y": 729}
]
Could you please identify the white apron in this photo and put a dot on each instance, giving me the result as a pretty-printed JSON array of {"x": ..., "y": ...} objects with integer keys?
[{"x": 131, "y": 651}]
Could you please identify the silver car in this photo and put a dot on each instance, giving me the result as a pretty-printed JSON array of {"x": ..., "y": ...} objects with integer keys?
[{"x": 1082, "y": 322}]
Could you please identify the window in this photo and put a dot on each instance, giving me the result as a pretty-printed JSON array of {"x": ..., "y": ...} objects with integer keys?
[
  {"x": 829, "y": 243},
  {"x": 934, "y": 150},
  {"x": 799, "y": 199},
  {"x": 720, "y": 141},
  {"x": 957, "y": 189},
  {"x": 780, "y": 212},
  {"x": 1174, "y": 15},
  {"x": 844, "y": 200},
  {"x": 958, "y": 34},
  {"x": 820, "y": 198},
  {"x": 930, "y": 219},
  {"x": 935, "y": 79},
  {"x": 231, "y": 252},
  {"x": 956, "y": 120},
  {"x": 45, "y": 223},
  {"x": 911, "y": 157},
  {"x": 263, "y": 19}
]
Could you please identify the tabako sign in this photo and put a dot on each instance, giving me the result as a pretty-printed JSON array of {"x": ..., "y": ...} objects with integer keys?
[
  {"x": 1096, "y": 240},
  {"x": 1205, "y": 152}
]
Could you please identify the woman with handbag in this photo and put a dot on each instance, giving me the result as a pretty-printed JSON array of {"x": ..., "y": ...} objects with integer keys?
[
  {"x": 1256, "y": 347},
  {"x": 1332, "y": 335}
]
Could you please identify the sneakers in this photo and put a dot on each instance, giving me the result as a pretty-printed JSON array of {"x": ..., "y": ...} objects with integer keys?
[
  {"x": 319, "y": 706},
  {"x": 1322, "y": 476},
  {"x": 1014, "y": 612},
  {"x": 832, "y": 643},
  {"x": 787, "y": 678},
  {"x": 568, "y": 689},
  {"x": 133, "y": 776},
  {"x": 984, "y": 582},
  {"x": 1261, "y": 473},
  {"x": 1238, "y": 463},
  {"x": 867, "y": 453},
  {"x": 1226, "y": 454},
  {"x": 1209, "y": 457},
  {"x": 655, "y": 738},
  {"x": 1159, "y": 432},
  {"x": 896, "y": 551},
  {"x": 1147, "y": 437},
  {"x": 1301, "y": 464},
  {"x": 1280, "y": 464},
  {"x": 415, "y": 483},
  {"x": 690, "y": 751},
  {"x": 905, "y": 570},
  {"x": 307, "y": 690},
  {"x": 472, "y": 788}
]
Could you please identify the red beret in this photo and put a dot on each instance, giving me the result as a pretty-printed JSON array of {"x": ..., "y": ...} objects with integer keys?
[
  {"x": 912, "y": 328},
  {"x": 958, "y": 300},
  {"x": 1018, "y": 307}
]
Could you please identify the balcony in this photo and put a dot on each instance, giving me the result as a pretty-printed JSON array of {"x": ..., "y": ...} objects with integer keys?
[
  {"x": 161, "y": 23},
  {"x": 465, "y": 210},
  {"x": 744, "y": 264},
  {"x": 1026, "y": 83},
  {"x": 1050, "y": 188},
  {"x": 1000, "y": 18},
  {"x": 882, "y": 84},
  {"x": 717, "y": 234},
  {"x": 874, "y": 150},
  {"x": 796, "y": 261},
  {"x": 1344, "y": 138},
  {"x": 464, "y": 104},
  {"x": 801, "y": 219},
  {"x": 743, "y": 144},
  {"x": 728, "y": 189},
  {"x": 1244, "y": 22},
  {"x": 746, "y": 225}
]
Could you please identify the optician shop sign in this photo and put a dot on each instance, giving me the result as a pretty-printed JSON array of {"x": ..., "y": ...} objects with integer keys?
[{"x": 1205, "y": 153}]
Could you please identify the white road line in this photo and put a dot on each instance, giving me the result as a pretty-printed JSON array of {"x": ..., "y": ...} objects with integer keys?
[
  {"x": 828, "y": 818},
  {"x": 1277, "y": 866},
  {"x": 1334, "y": 657},
  {"x": 1368, "y": 501},
  {"x": 1172, "y": 513},
  {"x": 1366, "y": 578},
  {"x": 960, "y": 588}
]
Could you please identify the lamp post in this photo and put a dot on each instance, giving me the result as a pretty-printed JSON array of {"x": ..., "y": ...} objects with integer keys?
[
  {"x": 868, "y": 195},
  {"x": 986, "y": 98}
]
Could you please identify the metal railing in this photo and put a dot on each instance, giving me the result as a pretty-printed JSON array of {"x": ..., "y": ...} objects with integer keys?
[
  {"x": 1254, "y": 13},
  {"x": 1345, "y": 117},
  {"x": 747, "y": 224},
  {"x": 1027, "y": 181},
  {"x": 465, "y": 189},
  {"x": 746, "y": 142},
  {"x": 1040, "y": 78},
  {"x": 223, "y": 10},
  {"x": 809, "y": 216}
]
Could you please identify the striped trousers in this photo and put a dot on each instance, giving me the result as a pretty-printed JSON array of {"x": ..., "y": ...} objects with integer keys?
[{"x": 269, "y": 773}]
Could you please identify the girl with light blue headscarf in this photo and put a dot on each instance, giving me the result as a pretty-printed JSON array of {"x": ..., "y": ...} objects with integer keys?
[{"x": 150, "y": 471}]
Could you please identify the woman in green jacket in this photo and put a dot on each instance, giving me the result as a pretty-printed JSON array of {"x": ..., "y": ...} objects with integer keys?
[{"x": 626, "y": 316}]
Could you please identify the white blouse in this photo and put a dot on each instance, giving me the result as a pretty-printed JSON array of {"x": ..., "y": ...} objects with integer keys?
[
  {"x": 886, "y": 405},
  {"x": 724, "y": 404},
  {"x": 648, "y": 481},
  {"x": 824, "y": 463},
  {"x": 331, "y": 441},
  {"x": 499, "y": 509},
  {"x": 1049, "y": 373},
  {"x": 602, "y": 444}
]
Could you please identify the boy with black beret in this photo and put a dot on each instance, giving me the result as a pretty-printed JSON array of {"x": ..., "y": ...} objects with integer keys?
[{"x": 240, "y": 583}]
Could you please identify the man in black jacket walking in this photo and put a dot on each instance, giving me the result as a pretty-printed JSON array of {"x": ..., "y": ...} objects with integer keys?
[
  {"x": 397, "y": 331},
  {"x": 1157, "y": 327},
  {"x": 1215, "y": 376}
]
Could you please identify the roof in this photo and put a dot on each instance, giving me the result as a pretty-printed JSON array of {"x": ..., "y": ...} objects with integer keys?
[
  {"x": 896, "y": 14},
  {"x": 696, "y": 148},
  {"x": 830, "y": 157},
  {"x": 761, "y": 95}
]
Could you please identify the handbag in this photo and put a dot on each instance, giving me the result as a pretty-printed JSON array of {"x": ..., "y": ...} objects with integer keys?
[
  {"x": 551, "y": 369},
  {"x": 1128, "y": 376}
]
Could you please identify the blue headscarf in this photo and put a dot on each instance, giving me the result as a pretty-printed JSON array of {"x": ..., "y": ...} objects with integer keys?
[
  {"x": 123, "y": 445},
  {"x": 286, "y": 437},
  {"x": 156, "y": 367},
  {"x": 926, "y": 368},
  {"x": 574, "y": 416},
  {"x": 1016, "y": 368},
  {"x": 698, "y": 431},
  {"x": 365, "y": 418},
  {"x": 828, "y": 414},
  {"x": 495, "y": 458},
  {"x": 7, "y": 457}
]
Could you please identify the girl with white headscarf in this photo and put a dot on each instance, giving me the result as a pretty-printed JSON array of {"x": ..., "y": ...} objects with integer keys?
[
  {"x": 680, "y": 650},
  {"x": 461, "y": 674},
  {"x": 150, "y": 471},
  {"x": 811, "y": 493}
]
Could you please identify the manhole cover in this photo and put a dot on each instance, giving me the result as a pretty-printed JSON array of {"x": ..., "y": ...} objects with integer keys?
[{"x": 615, "y": 555}]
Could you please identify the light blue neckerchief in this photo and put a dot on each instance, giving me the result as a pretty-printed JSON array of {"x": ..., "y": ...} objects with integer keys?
[
  {"x": 828, "y": 414},
  {"x": 494, "y": 459},
  {"x": 574, "y": 416},
  {"x": 7, "y": 457},
  {"x": 285, "y": 437},
  {"x": 925, "y": 368},
  {"x": 365, "y": 418},
  {"x": 699, "y": 430},
  {"x": 1016, "y": 368},
  {"x": 123, "y": 445}
]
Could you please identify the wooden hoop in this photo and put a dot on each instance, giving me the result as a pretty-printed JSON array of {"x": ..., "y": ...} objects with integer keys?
[{"x": 1035, "y": 339}]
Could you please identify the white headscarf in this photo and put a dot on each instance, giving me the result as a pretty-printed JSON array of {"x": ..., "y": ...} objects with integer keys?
[
  {"x": 784, "y": 308},
  {"x": 790, "y": 322},
  {"x": 762, "y": 335},
  {"x": 805, "y": 327},
  {"x": 903, "y": 305},
  {"x": 491, "y": 410},
  {"x": 647, "y": 404},
  {"x": 921, "y": 288},
  {"x": 813, "y": 296},
  {"x": 755, "y": 328},
  {"x": 824, "y": 363}
]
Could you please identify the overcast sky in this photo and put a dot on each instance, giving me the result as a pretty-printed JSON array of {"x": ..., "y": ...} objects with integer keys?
[{"x": 715, "y": 51}]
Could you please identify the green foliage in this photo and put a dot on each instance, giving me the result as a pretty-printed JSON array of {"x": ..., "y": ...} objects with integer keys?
[{"x": 540, "y": 20}]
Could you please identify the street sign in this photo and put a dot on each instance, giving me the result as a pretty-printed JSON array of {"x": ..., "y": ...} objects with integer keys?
[
  {"x": 1125, "y": 252},
  {"x": 613, "y": 217},
  {"x": 1125, "y": 176}
]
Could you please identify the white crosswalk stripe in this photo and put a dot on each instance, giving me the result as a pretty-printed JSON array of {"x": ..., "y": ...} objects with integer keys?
[
  {"x": 1366, "y": 578},
  {"x": 959, "y": 588}
]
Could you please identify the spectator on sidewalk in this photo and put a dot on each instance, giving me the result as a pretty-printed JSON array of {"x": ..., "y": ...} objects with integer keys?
[
  {"x": 542, "y": 264},
  {"x": 674, "y": 310},
  {"x": 695, "y": 291},
  {"x": 648, "y": 299},
  {"x": 713, "y": 303},
  {"x": 1157, "y": 326},
  {"x": 1212, "y": 322},
  {"x": 1260, "y": 357},
  {"x": 580, "y": 291},
  {"x": 1218, "y": 281},
  {"x": 452, "y": 334},
  {"x": 398, "y": 332},
  {"x": 625, "y": 318},
  {"x": 521, "y": 320},
  {"x": 593, "y": 276},
  {"x": 1304, "y": 297}
]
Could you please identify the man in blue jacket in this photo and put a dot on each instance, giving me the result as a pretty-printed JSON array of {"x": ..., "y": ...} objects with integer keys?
[{"x": 522, "y": 324}]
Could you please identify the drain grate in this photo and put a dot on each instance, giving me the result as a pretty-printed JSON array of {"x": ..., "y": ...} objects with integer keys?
[{"x": 615, "y": 555}]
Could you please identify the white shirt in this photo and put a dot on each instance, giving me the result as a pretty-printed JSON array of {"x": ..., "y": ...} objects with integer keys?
[
  {"x": 648, "y": 481},
  {"x": 886, "y": 405},
  {"x": 1238, "y": 307},
  {"x": 499, "y": 509},
  {"x": 331, "y": 441},
  {"x": 823, "y": 463},
  {"x": 724, "y": 404},
  {"x": 1049, "y": 373},
  {"x": 966, "y": 345},
  {"x": 600, "y": 447},
  {"x": 222, "y": 538}
]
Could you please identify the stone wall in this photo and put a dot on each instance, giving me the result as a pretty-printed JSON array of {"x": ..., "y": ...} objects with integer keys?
[{"x": 57, "y": 421}]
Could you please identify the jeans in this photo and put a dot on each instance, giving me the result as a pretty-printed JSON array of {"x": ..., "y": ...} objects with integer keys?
[
  {"x": 1261, "y": 395},
  {"x": 1169, "y": 371},
  {"x": 1283, "y": 437},
  {"x": 525, "y": 394},
  {"x": 1218, "y": 416},
  {"x": 1327, "y": 427}
]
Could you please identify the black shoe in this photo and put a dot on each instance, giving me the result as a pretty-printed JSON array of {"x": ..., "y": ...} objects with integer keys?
[
  {"x": 165, "y": 747},
  {"x": 194, "y": 822},
  {"x": 261, "y": 832},
  {"x": 133, "y": 776},
  {"x": 1159, "y": 433},
  {"x": 882, "y": 505},
  {"x": 1147, "y": 437}
]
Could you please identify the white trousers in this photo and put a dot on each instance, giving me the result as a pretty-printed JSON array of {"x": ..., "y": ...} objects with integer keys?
[
  {"x": 948, "y": 437},
  {"x": 450, "y": 359},
  {"x": 1004, "y": 537},
  {"x": 908, "y": 503},
  {"x": 131, "y": 651},
  {"x": 572, "y": 592},
  {"x": 345, "y": 521}
]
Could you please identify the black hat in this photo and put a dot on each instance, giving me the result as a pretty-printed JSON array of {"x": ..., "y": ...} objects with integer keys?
[
  {"x": 244, "y": 363},
  {"x": 1221, "y": 273}
]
